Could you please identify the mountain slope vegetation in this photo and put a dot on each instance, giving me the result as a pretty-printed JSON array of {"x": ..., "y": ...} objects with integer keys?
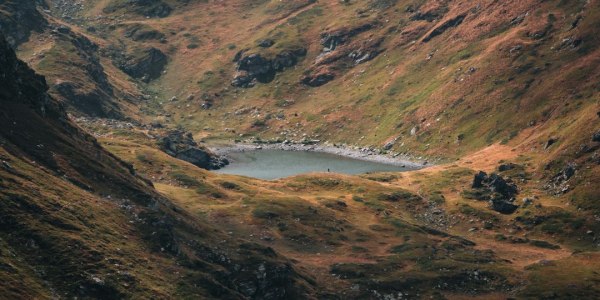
[{"x": 501, "y": 98}]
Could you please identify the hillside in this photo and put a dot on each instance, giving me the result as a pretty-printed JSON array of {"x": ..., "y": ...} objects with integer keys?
[
  {"x": 103, "y": 181},
  {"x": 77, "y": 221}
]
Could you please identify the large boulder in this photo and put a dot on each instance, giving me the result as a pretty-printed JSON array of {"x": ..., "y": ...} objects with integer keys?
[
  {"x": 500, "y": 192},
  {"x": 181, "y": 145},
  {"x": 503, "y": 206}
]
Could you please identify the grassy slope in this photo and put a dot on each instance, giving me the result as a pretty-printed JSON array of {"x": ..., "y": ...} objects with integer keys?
[
  {"x": 77, "y": 221},
  {"x": 374, "y": 232},
  {"x": 399, "y": 89},
  {"x": 385, "y": 98}
]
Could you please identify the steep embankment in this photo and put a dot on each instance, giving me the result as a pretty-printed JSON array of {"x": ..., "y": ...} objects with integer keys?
[{"x": 77, "y": 221}]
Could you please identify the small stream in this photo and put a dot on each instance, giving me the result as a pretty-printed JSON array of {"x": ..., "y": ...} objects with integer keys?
[{"x": 274, "y": 164}]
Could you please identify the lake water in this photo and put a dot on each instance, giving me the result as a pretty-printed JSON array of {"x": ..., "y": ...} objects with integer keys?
[{"x": 273, "y": 164}]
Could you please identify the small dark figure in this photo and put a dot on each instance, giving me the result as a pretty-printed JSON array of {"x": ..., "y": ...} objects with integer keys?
[{"x": 328, "y": 170}]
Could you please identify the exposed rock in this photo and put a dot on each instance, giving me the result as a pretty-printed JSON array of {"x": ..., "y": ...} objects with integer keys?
[
  {"x": 445, "y": 26},
  {"x": 91, "y": 92},
  {"x": 499, "y": 191},
  {"x": 414, "y": 130},
  {"x": 181, "y": 145},
  {"x": 389, "y": 145},
  {"x": 287, "y": 59},
  {"x": 503, "y": 206},
  {"x": 507, "y": 167},
  {"x": 318, "y": 79},
  {"x": 146, "y": 64},
  {"x": 330, "y": 40},
  {"x": 549, "y": 143},
  {"x": 256, "y": 68},
  {"x": 19, "y": 18},
  {"x": 266, "y": 43},
  {"x": 559, "y": 184},
  {"x": 238, "y": 55},
  {"x": 478, "y": 180},
  {"x": 596, "y": 137},
  {"x": 242, "y": 79}
]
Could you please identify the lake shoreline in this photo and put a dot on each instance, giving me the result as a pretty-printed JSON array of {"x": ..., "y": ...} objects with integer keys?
[{"x": 362, "y": 154}]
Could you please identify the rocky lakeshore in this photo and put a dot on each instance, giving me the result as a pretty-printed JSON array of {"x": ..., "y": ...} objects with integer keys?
[{"x": 366, "y": 154}]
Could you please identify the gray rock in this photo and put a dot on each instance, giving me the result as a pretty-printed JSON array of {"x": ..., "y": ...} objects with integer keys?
[
  {"x": 181, "y": 145},
  {"x": 596, "y": 137},
  {"x": 266, "y": 43}
]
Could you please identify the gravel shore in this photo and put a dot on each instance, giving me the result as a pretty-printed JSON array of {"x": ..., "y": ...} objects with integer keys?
[{"x": 362, "y": 154}]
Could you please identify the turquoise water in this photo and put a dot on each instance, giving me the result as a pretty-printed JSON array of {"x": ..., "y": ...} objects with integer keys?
[{"x": 274, "y": 164}]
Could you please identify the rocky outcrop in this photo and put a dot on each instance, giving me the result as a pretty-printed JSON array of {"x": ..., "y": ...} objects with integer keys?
[
  {"x": 318, "y": 79},
  {"x": 559, "y": 184},
  {"x": 342, "y": 49},
  {"x": 145, "y": 64},
  {"x": 19, "y": 84},
  {"x": 19, "y": 18},
  {"x": 266, "y": 43},
  {"x": 181, "y": 145},
  {"x": 88, "y": 92},
  {"x": 500, "y": 192},
  {"x": 445, "y": 26},
  {"x": 331, "y": 40},
  {"x": 258, "y": 68}
]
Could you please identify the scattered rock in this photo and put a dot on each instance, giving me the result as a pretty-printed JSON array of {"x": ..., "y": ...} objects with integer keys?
[
  {"x": 389, "y": 145},
  {"x": 414, "y": 130},
  {"x": 527, "y": 201},
  {"x": 559, "y": 183}
]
